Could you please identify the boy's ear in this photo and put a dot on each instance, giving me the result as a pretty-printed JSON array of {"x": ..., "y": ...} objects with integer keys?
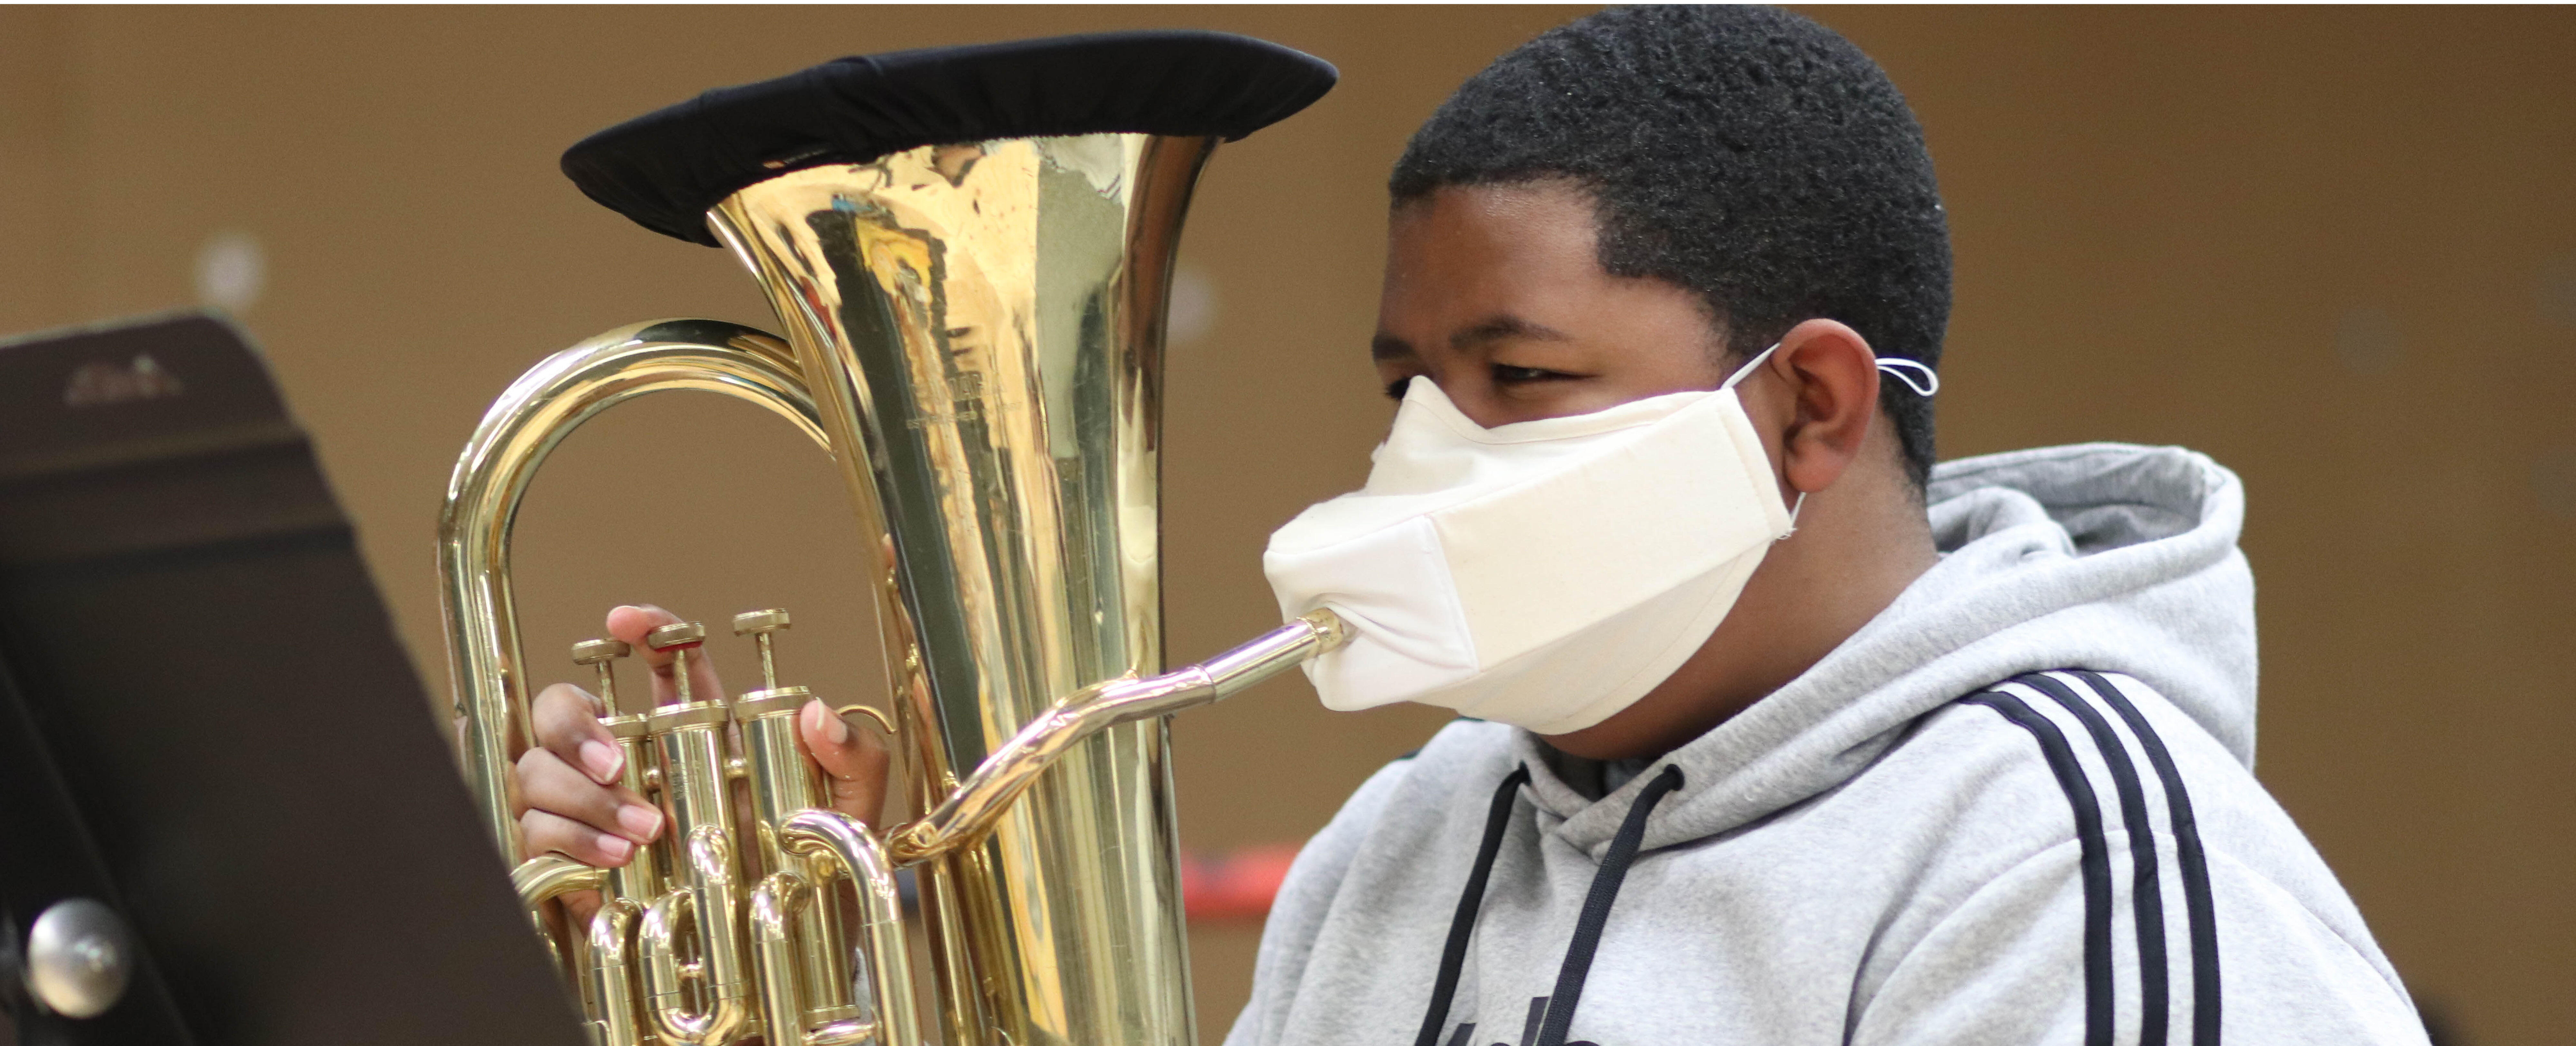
[{"x": 1833, "y": 378}]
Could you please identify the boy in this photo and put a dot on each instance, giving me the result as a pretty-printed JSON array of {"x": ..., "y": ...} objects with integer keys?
[
  {"x": 1780, "y": 733},
  {"x": 1964, "y": 758}
]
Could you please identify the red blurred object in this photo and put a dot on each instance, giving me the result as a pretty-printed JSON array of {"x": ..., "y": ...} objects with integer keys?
[{"x": 1234, "y": 886}]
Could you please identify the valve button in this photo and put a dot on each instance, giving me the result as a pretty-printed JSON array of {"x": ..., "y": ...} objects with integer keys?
[
  {"x": 685, "y": 633},
  {"x": 759, "y": 622},
  {"x": 599, "y": 651}
]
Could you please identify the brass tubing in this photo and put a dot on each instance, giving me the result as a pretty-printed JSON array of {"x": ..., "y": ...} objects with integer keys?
[
  {"x": 485, "y": 664},
  {"x": 971, "y": 809},
  {"x": 841, "y": 1032},
  {"x": 697, "y": 795},
  {"x": 774, "y": 904},
  {"x": 541, "y": 879},
  {"x": 710, "y": 900},
  {"x": 846, "y": 844},
  {"x": 640, "y": 878},
  {"x": 781, "y": 783},
  {"x": 779, "y": 950},
  {"x": 693, "y": 784},
  {"x": 666, "y": 977},
  {"x": 608, "y": 987}
]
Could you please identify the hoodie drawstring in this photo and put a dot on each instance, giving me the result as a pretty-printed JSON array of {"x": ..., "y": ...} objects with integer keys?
[
  {"x": 1453, "y": 956},
  {"x": 1587, "y": 926},
  {"x": 1596, "y": 908}
]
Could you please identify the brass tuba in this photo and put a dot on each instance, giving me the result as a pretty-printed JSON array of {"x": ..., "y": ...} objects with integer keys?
[{"x": 969, "y": 251}]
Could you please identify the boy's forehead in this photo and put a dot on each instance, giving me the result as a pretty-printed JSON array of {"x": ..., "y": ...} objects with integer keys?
[
  {"x": 1473, "y": 269},
  {"x": 1554, "y": 213},
  {"x": 1464, "y": 247}
]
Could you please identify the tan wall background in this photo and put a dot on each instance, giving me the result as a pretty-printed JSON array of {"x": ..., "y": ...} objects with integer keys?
[{"x": 2333, "y": 248}]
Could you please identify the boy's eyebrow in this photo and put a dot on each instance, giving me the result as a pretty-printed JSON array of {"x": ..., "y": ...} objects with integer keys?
[
  {"x": 1483, "y": 332},
  {"x": 1498, "y": 328}
]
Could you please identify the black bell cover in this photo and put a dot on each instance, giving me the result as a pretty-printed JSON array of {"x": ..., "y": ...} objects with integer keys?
[{"x": 665, "y": 169}]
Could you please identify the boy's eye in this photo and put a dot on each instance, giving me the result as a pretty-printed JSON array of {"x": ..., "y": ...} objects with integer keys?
[
  {"x": 1506, "y": 374},
  {"x": 1395, "y": 389}
]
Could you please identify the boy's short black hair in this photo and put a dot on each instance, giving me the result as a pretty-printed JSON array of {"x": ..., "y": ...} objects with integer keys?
[{"x": 1745, "y": 153}]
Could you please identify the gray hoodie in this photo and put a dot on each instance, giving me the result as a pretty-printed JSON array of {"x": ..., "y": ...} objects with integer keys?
[{"x": 2016, "y": 807}]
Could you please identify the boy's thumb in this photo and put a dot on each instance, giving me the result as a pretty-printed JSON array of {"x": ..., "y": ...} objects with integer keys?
[{"x": 853, "y": 761}]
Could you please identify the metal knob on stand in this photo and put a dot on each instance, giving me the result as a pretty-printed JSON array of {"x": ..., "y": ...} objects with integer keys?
[{"x": 79, "y": 958}]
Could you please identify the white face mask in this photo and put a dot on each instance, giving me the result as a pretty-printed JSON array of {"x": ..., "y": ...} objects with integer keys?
[{"x": 1545, "y": 574}]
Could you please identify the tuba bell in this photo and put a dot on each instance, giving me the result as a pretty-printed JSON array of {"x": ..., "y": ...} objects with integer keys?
[{"x": 968, "y": 251}]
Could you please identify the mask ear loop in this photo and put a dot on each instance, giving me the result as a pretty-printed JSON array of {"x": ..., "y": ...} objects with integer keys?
[
  {"x": 1923, "y": 380},
  {"x": 1914, "y": 374},
  {"x": 1747, "y": 369},
  {"x": 1905, "y": 370},
  {"x": 1740, "y": 374}
]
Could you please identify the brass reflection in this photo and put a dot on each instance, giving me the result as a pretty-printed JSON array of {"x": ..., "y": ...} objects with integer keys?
[{"x": 974, "y": 334}]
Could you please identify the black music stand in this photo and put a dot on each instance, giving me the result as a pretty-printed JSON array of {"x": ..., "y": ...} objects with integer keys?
[{"x": 206, "y": 723}]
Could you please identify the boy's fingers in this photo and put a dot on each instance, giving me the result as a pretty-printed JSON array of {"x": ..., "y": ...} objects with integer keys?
[
  {"x": 853, "y": 761},
  {"x": 547, "y": 783},
  {"x": 568, "y": 725},
  {"x": 631, "y": 623},
  {"x": 579, "y": 906},
  {"x": 543, "y": 832}
]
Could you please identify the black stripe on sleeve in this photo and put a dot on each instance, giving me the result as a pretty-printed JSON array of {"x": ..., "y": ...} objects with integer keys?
[
  {"x": 2198, "y": 905},
  {"x": 2146, "y": 886},
  {"x": 2094, "y": 856}
]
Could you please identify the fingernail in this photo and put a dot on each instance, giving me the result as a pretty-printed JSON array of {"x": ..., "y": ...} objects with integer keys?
[
  {"x": 603, "y": 759},
  {"x": 615, "y": 848},
  {"x": 639, "y": 821},
  {"x": 834, "y": 729}
]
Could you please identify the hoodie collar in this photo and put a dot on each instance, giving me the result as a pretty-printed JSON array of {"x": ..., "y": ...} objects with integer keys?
[{"x": 2112, "y": 557}]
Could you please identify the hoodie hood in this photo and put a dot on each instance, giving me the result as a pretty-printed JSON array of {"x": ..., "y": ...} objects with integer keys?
[
  {"x": 1927, "y": 837},
  {"x": 2105, "y": 556}
]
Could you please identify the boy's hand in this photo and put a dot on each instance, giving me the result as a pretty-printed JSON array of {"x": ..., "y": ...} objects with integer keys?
[{"x": 568, "y": 783}]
